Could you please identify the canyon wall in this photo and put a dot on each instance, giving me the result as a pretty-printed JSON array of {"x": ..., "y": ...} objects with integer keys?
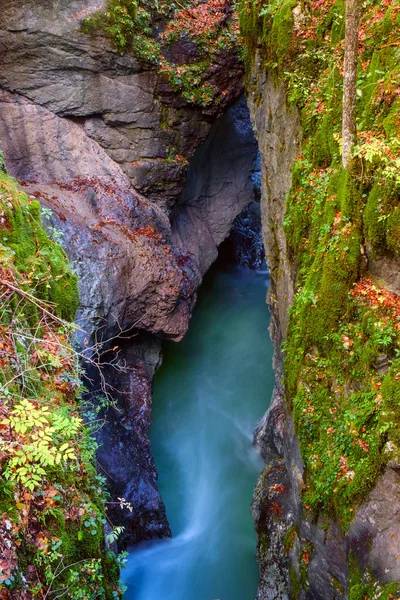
[
  {"x": 325, "y": 512},
  {"x": 104, "y": 144},
  {"x": 141, "y": 186},
  {"x": 277, "y": 507}
]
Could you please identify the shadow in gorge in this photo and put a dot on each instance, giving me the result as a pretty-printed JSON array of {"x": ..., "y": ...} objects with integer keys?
[{"x": 208, "y": 395}]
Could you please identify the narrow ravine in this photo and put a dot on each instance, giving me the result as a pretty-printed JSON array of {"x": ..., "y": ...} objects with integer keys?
[{"x": 209, "y": 394}]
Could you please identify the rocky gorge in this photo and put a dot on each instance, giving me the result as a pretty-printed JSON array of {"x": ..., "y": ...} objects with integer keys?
[
  {"x": 141, "y": 183},
  {"x": 108, "y": 154}
]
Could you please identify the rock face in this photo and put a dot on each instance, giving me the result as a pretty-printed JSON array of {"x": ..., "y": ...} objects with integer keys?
[
  {"x": 106, "y": 224},
  {"x": 245, "y": 243},
  {"x": 205, "y": 210},
  {"x": 386, "y": 269},
  {"x": 279, "y": 136},
  {"x": 104, "y": 144},
  {"x": 292, "y": 547},
  {"x": 124, "y": 450},
  {"x": 126, "y": 109}
]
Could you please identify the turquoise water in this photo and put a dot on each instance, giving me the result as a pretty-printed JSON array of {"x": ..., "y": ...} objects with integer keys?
[{"x": 210, "y": 392}]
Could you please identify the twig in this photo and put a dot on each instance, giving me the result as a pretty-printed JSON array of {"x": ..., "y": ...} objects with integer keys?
[
  {"x": 35, "y": 301},
  {"x": 185, "y": 9},
  {"x": 106, "y": 472},
  {"x": 58, "y": 573}
]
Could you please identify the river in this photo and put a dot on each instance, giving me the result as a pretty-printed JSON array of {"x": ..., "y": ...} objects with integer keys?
[{"x": 209, "y": 393}]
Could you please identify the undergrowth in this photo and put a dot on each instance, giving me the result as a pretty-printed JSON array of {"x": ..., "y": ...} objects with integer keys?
[{"x": 52, "y": 502}]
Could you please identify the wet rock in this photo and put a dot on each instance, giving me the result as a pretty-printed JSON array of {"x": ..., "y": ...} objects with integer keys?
[
  {"x": 374, "y": 536},
  {"x": 277, "y": 129},
  {"x": 124, "y": 454},
  {"x": 245, "y": 244},
  {"x": 214, "y": 195},
  {"x": 385, "y": 269},
  {"x": 381, "y": 363}
]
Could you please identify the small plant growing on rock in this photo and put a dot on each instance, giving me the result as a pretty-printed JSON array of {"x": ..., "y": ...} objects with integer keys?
[{"x": 149, "y": 28}]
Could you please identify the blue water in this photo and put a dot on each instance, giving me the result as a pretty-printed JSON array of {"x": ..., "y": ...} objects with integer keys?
[{"x": 209, "y": 394}]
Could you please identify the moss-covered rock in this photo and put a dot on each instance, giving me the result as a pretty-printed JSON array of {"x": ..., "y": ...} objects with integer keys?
[
  {"x": 343, "y": 344},
  {"x": 52, "y": 503},
  {"x": 393, "y": 231},
  {"x": 32, "y": 253},
  {"x": 150, "y": 29}
]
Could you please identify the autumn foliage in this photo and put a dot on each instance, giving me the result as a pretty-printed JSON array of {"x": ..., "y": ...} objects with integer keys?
[
  {"x": 208, "y": 32},
  {"x": 51, "y": 499}
]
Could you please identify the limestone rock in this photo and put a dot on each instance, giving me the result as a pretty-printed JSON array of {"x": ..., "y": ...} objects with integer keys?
[
  {"x": 128, "y": 109},
  {"x": 206, "y": 208}
]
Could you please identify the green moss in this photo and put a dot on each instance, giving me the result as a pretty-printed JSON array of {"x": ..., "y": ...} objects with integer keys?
[
  {"x": 146, "y": 28},
  {"x": 322, "y": 154},
  {"x": 341, "y": 431},
  {"x": 374, "y": 217},
  {"x": 330, "y": 214},
  {"x": 363, "y": 587},
  {"x": 340, "y": 269},
  {"x": 281, "y": 39},
  {"x": 368, "y": 82},
  {"x": 34, "y": 255},
  {"x": 6, "y": 501},
  {"x": 381, "y": 218},
  {"x": 391, "y": 390},
  {"x": 337, "y": 585},
  {"x": 290, "y": 538},
  {"x": 391, "y": 123},
  {"x": 128, "y": 24},
  {"x": 295, "y": 585},
  {"x": 346, "y": 410},
  {"x": 393, "y": 232},
  {"x": 373, "y": 592},
  {"x": 262, "y": 543},
  {"x": 336, "y": 21},
  {"x": 61, "y": 514}
]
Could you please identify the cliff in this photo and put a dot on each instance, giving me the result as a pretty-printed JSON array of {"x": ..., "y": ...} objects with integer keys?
[
  {"x": 103, "y": 139},
  {"x": 326, "y": 505}
]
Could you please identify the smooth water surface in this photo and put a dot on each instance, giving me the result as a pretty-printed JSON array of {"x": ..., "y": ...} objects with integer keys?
[{"x": 209, "y": 394}]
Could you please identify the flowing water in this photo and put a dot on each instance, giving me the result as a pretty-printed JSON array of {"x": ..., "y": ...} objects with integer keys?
[{"x": 210, "y": 392}]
